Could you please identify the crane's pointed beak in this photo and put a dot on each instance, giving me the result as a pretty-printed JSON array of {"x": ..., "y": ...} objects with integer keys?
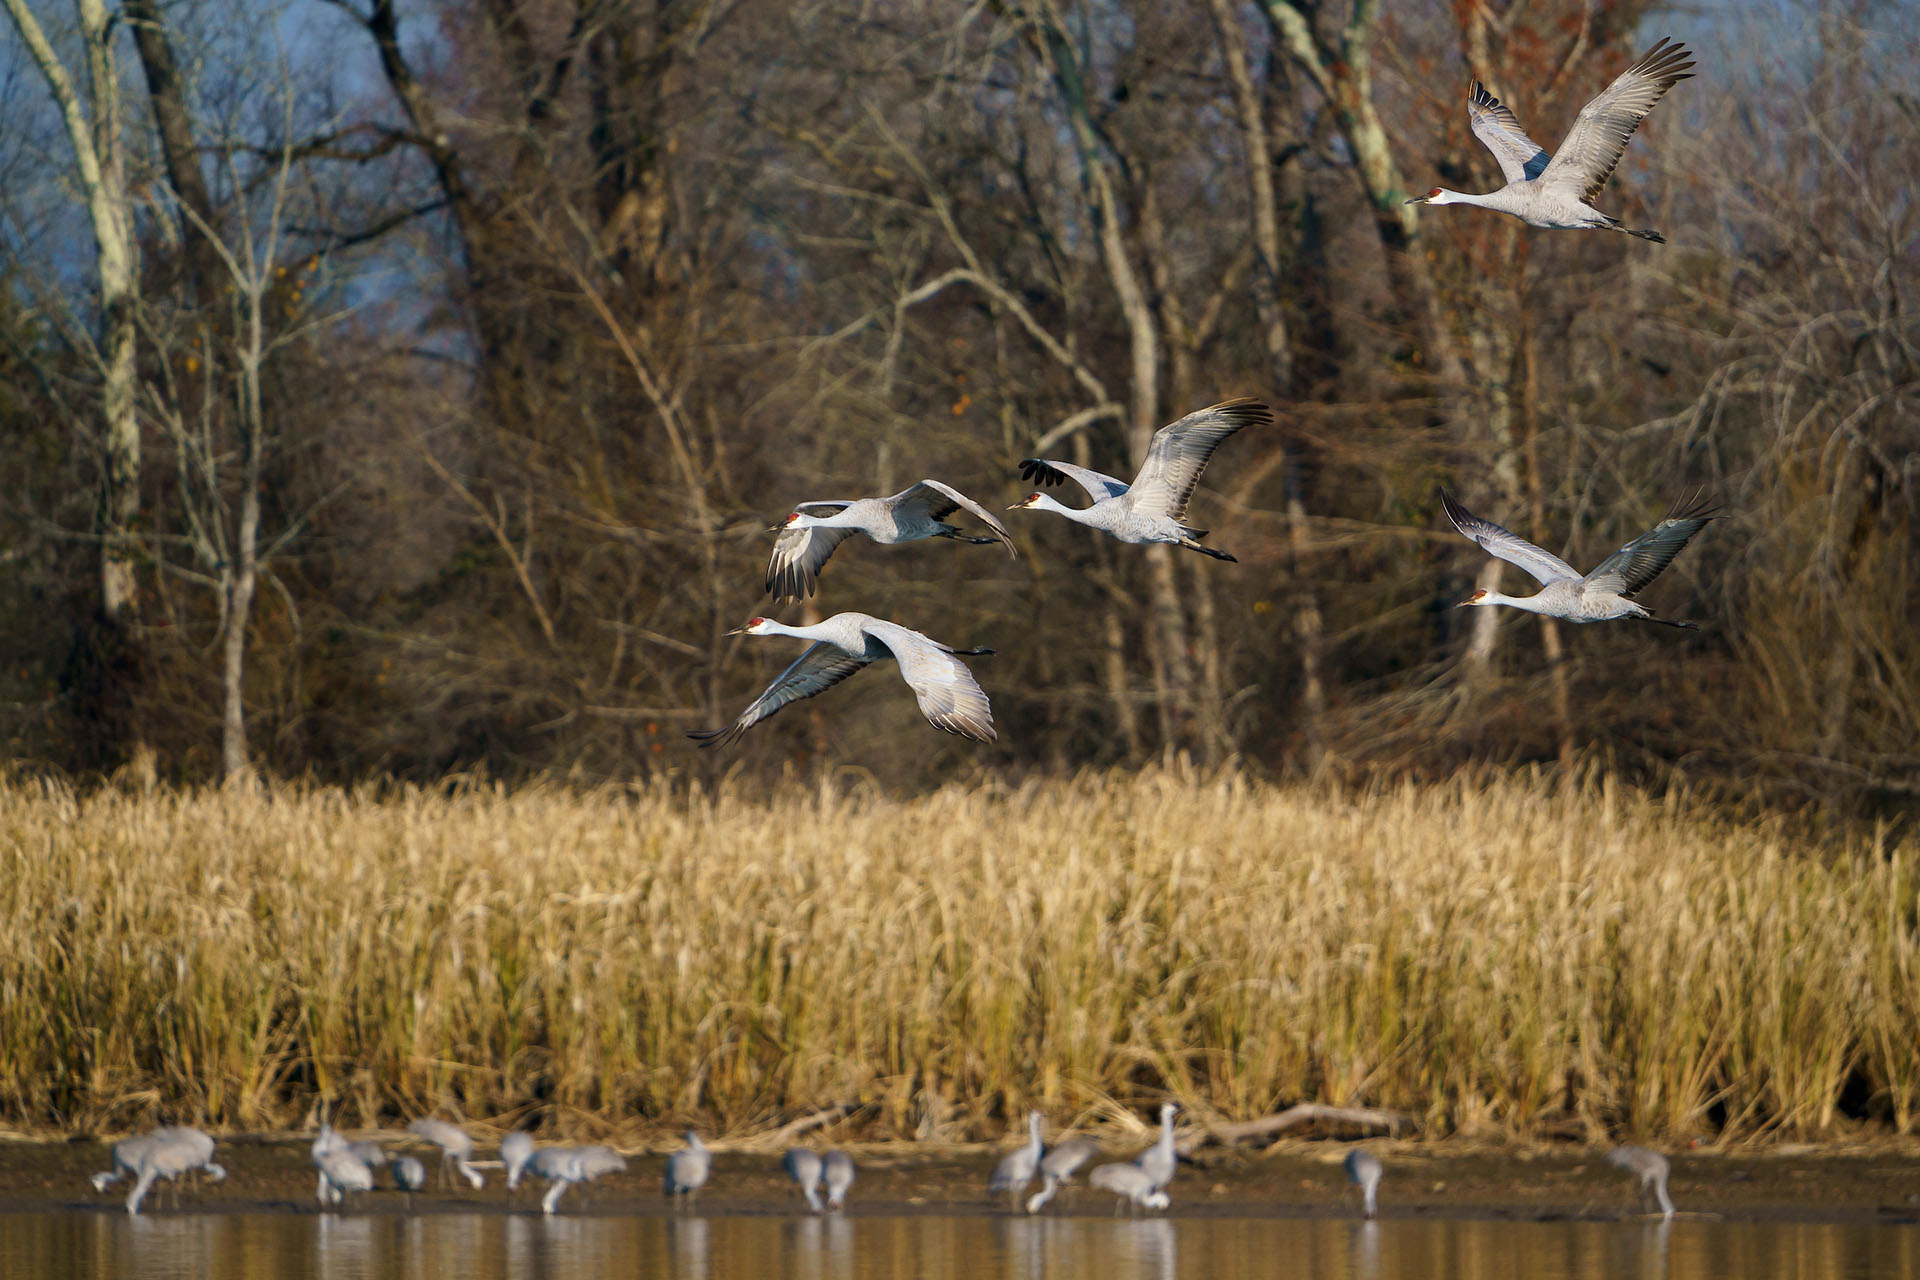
[
  {"x": 738, "y": 631},
  {"x": 1418, "y": 200}
]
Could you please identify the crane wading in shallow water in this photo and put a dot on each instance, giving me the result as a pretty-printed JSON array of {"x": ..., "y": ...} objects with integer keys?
[
  {"x": 1553, "y": 191},
  {"x": 1651, "y": 1168},
  {"x": 1154, "y": 507},
  {"x": 1600, "y": 596},
  {"x": 815, "y": 528},
  {"x": 1017, "y": 1167},
  {"x": 950, "y": 697},
  {"x": 1363, "y": 1171}
]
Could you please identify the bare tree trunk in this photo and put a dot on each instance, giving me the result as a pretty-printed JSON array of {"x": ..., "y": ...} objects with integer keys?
[
  {"x": 94, "y": 130},
  {"x": 1263, "y": 202},
  {"x": 1493, "y": 350},
  {"x": 1537, "y": 506},
  {"x": 1342, "y": 70},
  {"x": 173, "y": 122}
]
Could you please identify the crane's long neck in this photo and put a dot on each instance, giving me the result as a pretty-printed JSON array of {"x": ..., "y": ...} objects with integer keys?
[
  {"x": 1044, "y": 502},
  {"x": 818, "y": 631},
  {"x": 1530, "y": 604},
  {"x": 1033, "y": 1132},
  {"x": 1500, "y": 200}
]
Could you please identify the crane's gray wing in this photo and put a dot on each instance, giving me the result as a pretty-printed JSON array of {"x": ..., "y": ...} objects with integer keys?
[
  {"x": 1494, "y": 124},
  {"x": 793, "y": 570},
  {"x": 1638, "y": 563},
  {"x": 1098, "y": 485},
  {"x": 1179, "y": 454},
  {"x": 940, "y": 501},
  {"x": 1543, "y": 565},
  {"x": 1593, "y": 146},
  {"x": 950, "y": 697},
  {"x": 818, "y": 669}
]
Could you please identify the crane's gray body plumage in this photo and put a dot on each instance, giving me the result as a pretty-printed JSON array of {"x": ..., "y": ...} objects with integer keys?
[
  {"x": 1601, "y": 596},
  {"x": 1160, "y": 1160},
  {"x": 1650, "y": 1168},
  {"x": 814, "y": 529},
  {"x": 1154, "y": 507},
  {"x": 166, "y": 1152},
  {"x": 1017, "y": 1167},
  {"x": 1555, "y": 191},
  {"x": 836, "y": 1175},
  {"x": 687, "y": 1169},
  {"x": 1131, "y": 1183},
  {"x": 1363, "y": 1171},
  {"x": 515, "y": 1150},
  {"x": 563, "y": 1167},
  {"x": 1058, "y": 1166},
  {"x": 456, "y": 1149},
  {"x": 949, "y": 696},
  {"x": 803, "y": 1166}
]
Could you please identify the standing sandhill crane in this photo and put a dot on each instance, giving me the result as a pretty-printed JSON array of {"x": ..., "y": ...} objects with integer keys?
[
  {"x": 1363, "y": 1171},
  {"x": 563, "y": 1167},
  {"x": 803, "y": 1166},
  {"x": 1058, "y": 1166},
  {"x": 1545, "y": 191},
  {"x": 456, "y": 1149},
  {"x": 515, "y": 1150},
  {"x": 1160, "y": 1160},
  {"x": 1651, "y": 1168},
  {"x": 1131, "y": 1183},
  {"x": 949, "y": 696},
  {"x": 687, "y": 1170},
  {"x": 1600, "y": 596},
  {"x": 815, "y": 528},
  {"x": 1154, "y": 507},
  {"x": 164, "y": 1153},
  {"x": 341, "y": 1171},
  {"x": 1017, "y": 1168},
  {"x": 836, "y": 1175},
  {"x": 409, "y": 1175}
]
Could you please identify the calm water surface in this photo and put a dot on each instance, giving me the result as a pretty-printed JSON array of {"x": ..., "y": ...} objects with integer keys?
[{"x": 68, "y": 1246}]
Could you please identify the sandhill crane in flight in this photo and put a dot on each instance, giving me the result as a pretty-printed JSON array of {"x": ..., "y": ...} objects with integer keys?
[
  {"x": 1363, "y": 1171},
  {"x": 836, "y": 1175},
  {"x": 1544, "y": 191},
  {"x": 949, "y": 696},
  {"x": 1017, "y": 1167},
  {"x": 1600, "y": 596},
  {"x": 1651, "y": 1168},
  {"x": 815, "y": 528},
  {"x": 1154, "y": 507}
]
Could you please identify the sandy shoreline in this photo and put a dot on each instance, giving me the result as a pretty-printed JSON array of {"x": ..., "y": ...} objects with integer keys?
[{"x": 1299, "y": 1179}]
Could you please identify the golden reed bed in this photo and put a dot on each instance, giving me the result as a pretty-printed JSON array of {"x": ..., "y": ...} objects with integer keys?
[{"x": 1490, "y": 956}]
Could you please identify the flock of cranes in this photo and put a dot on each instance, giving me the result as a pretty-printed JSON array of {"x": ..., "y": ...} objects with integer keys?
[
  {"x": 1542, "y": 190},
  {"x": 348, "y": 1169}
]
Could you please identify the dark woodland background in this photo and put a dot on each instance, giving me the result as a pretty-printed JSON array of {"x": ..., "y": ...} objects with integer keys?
[{"x": 467, "y": 350}]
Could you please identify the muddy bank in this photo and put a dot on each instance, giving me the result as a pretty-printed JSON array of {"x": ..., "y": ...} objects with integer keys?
[{"x": 1301, "y": 1179}]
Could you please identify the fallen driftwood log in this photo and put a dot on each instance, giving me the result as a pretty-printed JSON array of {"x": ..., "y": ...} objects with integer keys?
[
  {"x": 782, "y": 1138},
  {"x": 1305, "y": 1113}
]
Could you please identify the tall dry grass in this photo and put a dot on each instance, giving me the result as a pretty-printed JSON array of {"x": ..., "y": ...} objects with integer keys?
[{"x": 1490, "y": 954}]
